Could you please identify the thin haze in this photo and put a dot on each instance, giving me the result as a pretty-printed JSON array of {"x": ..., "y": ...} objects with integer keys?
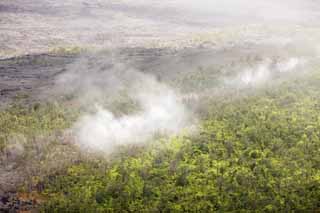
[
  {"x": 49, "y": 23},
  {"x": 32, "y": 26},
  {"x": 36, "y": 26}
]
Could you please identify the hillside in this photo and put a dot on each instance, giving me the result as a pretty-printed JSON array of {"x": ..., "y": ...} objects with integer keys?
[{"x": 171, "y": 106}]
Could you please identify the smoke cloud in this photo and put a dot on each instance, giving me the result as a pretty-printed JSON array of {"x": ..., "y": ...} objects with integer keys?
[
  {"x": 264, "y": 71},
  {"x": 125, "y": 106}
]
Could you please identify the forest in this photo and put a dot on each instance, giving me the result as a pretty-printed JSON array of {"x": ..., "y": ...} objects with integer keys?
[
  {"x": 159, "y": 106},
  {"x": 255, "y": 152}
]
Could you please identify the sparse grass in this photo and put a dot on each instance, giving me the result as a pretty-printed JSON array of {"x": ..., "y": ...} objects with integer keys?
[
  {"x": 71, "y": 50},
  {"x": 34, "y": 119},
  {"x": 33, "y": 141}
]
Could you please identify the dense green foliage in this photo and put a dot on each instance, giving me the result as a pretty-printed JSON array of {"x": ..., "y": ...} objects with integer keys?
[
  {"x": 259, "y": 153},
  {"x": 257, "y": 150},
  {"x": 32, "y": 121}
]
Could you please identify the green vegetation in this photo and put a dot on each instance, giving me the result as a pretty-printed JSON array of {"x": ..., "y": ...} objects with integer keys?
[
  {"x": 32, "y": 121},
  {"x": 33, "y": 143},
  {"x": 259, "y": 152},
  {"x": 71, "y": 50}
]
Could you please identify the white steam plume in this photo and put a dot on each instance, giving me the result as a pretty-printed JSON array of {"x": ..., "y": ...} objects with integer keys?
[
  {"x": 265, "y": 71},
  {"x": 159, "y": 109}
]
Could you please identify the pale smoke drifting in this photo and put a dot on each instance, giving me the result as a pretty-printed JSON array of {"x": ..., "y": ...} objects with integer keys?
[
  {"x": 264, "y": 71},
  {"x": 289, "y": 65},
  {"x": 159, "y": 110}
]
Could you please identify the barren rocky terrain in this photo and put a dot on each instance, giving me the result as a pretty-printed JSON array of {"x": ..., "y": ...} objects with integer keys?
[{"x": 38, "y": 26}]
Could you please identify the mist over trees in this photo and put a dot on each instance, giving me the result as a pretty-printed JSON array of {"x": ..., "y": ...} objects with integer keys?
[{"x": 159, "y": 106}]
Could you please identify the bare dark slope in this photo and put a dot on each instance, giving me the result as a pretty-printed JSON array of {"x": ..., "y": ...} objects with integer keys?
[
  {"x": 23, "y": 75},
  {"x": 32, "y": 75},
  {"x": 29, "y": 75}
]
